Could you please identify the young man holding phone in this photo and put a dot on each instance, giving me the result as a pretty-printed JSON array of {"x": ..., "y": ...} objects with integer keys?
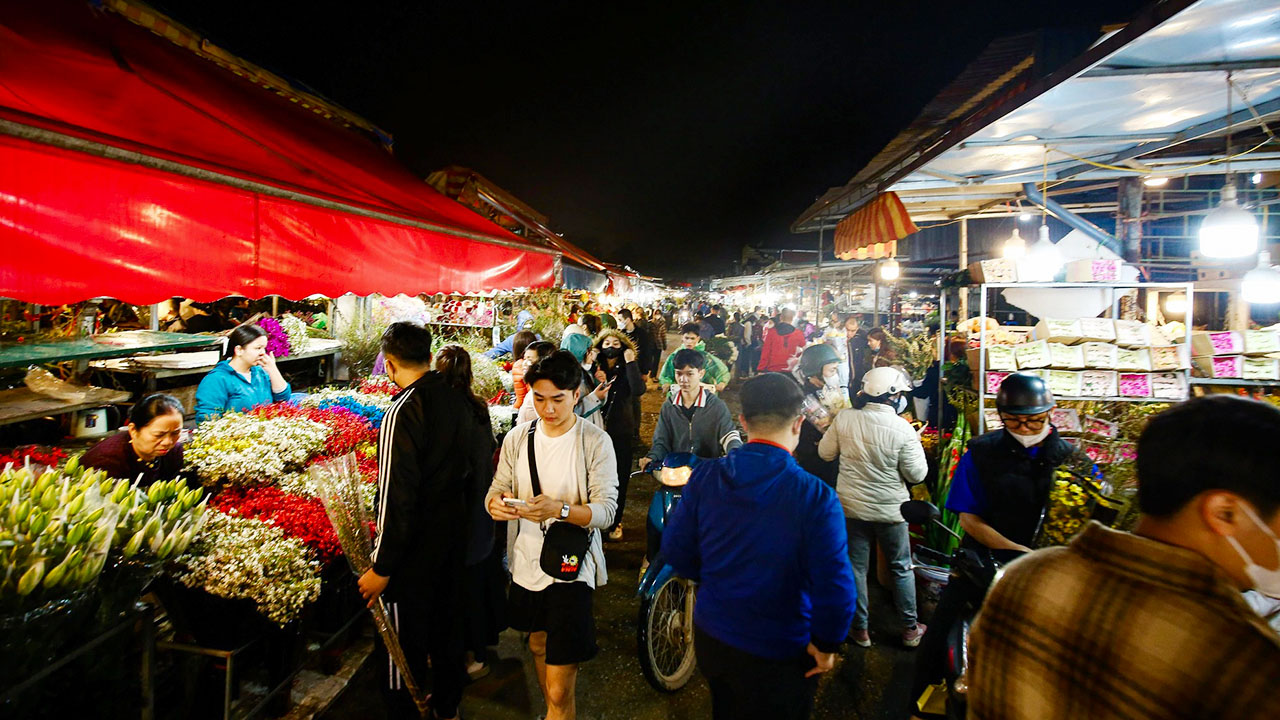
[{"x": 557, "y": 469}]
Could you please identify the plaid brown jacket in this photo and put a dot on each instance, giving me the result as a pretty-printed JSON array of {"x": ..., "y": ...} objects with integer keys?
[{"x": 1117, "y": 626}]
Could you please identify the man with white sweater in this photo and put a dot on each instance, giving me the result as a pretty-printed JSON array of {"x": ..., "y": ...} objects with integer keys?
[{"x": 880, "y": 455}]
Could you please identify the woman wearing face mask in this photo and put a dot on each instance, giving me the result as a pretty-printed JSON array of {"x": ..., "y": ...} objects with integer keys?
[
  {"x": 246, "y": 377},
  {"x": 819, "y": 376},
  {"x": 1000, "y": 491},
  {"x": 618, "y": 380},
  {"x": 149, "y": 448},
  {"x": 879, "y": 455}
]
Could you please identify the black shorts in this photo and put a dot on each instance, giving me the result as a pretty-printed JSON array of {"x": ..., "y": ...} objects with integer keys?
[{"x": 563, "y": 612}]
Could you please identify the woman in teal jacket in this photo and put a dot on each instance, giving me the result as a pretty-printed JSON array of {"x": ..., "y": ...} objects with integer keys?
[{"x": 246, "y": 377}]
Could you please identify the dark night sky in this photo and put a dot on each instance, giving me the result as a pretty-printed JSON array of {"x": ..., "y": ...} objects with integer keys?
[{"x": 660, "y": 138}]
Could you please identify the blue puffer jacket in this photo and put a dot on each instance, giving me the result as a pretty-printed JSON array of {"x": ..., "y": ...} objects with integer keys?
[
  {"x": 225, "y": 389},
  {"x": 767, "y": 542}
]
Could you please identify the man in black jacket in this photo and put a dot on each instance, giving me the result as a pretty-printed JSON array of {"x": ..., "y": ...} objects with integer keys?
[{"x": 421, "y": 522}]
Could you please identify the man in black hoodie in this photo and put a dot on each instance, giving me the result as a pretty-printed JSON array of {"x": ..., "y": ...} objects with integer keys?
[{"x": 422, "y": 521}]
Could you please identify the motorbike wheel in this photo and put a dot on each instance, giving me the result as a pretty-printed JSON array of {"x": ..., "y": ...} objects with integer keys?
[{"x": 664, "y": 636}]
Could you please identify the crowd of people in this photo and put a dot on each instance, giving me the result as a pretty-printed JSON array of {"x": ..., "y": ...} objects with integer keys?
[{"x": 780, "y": 522}]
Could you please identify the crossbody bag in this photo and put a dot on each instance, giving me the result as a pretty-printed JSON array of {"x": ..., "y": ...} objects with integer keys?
[{"x": 564, "y": 545}]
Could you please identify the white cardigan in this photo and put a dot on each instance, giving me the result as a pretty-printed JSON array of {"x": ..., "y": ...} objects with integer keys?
[{"x": 879, "y": 454}]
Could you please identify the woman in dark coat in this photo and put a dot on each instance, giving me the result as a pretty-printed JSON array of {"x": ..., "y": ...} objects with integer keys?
[{"x": 615, "y": 367}]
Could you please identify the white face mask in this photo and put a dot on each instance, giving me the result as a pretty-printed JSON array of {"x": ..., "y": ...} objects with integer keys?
[
  {"x": 900, "y": 405},
  {"x": 832, "y": 381},
  {"x": 1265, "y": 580},
  {"x": 1030, "y": 440}
]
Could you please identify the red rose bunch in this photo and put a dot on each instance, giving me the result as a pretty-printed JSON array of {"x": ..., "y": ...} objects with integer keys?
[
  {"x": 297, "y": 516},
  {"x": 379, "y": 385},
  {"x": 49, "y": 457}
]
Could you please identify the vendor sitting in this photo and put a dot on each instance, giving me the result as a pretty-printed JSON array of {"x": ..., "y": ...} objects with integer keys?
[
  {"x": 148, "y": 448},
  {"x": 246, "y": 377}
]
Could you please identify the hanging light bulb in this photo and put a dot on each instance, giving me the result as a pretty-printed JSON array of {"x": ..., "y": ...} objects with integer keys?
[
  {"x": 1176, "y": 304},
  {"x": 1228, "y": 231},
  {"x": 890, "y": 270},
  {"x": 1043, "y": 260},
  {"x": 1015, "y": 247},
  {"x": 1155, "y": 181},
  {"x": 1261, "y": 285}
]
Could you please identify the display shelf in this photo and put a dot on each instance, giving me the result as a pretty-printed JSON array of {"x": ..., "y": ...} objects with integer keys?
[
  {"x": 108, "y": 345},
  {"x": 1234, "y": 382},
  {"x": 206, "y": 361},
  {"x": 1116, "y": 292}
]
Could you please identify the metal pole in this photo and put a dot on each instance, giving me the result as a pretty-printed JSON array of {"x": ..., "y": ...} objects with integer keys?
[
  {"x": 963, "y": 290},
  {"x": 817, "y": 289},
  {"x": 875, "y": 298}
]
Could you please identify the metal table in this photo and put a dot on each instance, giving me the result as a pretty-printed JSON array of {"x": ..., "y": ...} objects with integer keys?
[
  {"x": 21, "y": 404},
  {"x": 106, "y": 345},
  {"x": 316, "y": 348}
]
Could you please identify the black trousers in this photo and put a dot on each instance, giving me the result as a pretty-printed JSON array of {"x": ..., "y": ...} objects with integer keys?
[
  {"x": 427, "y": 621},
  {"x": 622, "y": 450},
  {"x": 748, "y": 686},
  {"x": 931, "y": 657}
]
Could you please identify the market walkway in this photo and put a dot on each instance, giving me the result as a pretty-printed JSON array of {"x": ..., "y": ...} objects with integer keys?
[{"x": 866, "y": 685}]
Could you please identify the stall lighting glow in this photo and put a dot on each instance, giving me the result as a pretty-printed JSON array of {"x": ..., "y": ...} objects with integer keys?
[
  {"x": 1044, "y": 259},
  {"x": 1176, "y": 304},
  {"x": 890, "y": 270},
  {"x": 1228, "y": 230},
  {"x": 1015, "y": 247},
  {"x": 1155, "y": 181},
  {"x": 1261, "y": 285},
  {"x": 1026, "y": 216},
  {"x": 1256, "y": 178}
]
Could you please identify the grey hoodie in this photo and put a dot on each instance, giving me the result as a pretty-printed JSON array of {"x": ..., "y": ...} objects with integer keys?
[{"x": 710, "y": 434}]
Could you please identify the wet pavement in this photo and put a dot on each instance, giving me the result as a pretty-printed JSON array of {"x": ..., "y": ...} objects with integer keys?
[{"x": 867, "y": 684}]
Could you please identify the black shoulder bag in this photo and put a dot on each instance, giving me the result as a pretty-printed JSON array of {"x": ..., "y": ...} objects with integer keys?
[{"x": 564, "y": 545}]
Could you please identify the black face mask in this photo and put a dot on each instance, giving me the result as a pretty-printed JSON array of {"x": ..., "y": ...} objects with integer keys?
[{"x": 611, "y": 353}]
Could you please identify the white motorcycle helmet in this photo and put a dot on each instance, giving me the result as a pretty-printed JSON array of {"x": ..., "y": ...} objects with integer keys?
[{"x": 885, "y": 381}]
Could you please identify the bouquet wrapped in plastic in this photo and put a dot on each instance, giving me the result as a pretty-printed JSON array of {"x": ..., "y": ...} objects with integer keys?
[{"x": 338, "y": 484}]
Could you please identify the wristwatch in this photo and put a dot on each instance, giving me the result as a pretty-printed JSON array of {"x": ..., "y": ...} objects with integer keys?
[{"x": 564, "y": 512}]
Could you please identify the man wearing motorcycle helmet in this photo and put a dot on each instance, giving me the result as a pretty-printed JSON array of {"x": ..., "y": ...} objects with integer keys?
[
  {"x": 819, "y": 376},
  {"x": 1000, "y": 491}
]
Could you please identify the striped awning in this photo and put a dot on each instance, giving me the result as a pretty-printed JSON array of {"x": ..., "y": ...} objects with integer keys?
[{"x": 873, "y": 230}]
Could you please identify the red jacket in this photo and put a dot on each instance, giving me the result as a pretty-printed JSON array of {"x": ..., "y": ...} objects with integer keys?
[{"x": 780, "y": 344}]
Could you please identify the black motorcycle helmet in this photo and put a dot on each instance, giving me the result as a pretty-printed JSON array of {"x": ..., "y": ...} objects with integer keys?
[{"x": 1022, "y": 394}]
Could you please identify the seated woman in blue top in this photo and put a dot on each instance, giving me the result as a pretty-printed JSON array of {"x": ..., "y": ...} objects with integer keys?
[{"x": 246, "y": 377}]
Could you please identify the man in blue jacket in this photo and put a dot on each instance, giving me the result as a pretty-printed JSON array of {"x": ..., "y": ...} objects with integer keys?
[{"x": 766, "y": 541}]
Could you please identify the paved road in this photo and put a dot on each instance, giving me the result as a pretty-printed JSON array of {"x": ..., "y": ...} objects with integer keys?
[{"x": 866, "y": 685}]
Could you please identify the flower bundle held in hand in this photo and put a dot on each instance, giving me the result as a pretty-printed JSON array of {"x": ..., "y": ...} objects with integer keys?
[
  {"x": 277, "y": 338},
  {"x": 253, "y": 449},
  {"x": 299, "y": 517},
  {"x": 239, "y": 557}
]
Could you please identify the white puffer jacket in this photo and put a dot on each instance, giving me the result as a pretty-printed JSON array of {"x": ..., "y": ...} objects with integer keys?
[{"x": 879, "y": 453}]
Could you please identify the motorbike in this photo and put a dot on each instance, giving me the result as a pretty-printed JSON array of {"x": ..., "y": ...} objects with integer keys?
[
  {"x": 664, "y": 634},
  {"x": 980, "y": 568}
]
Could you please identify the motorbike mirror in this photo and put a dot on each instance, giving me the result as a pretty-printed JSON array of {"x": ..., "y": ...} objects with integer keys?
[{"x": 919, "y": 512}]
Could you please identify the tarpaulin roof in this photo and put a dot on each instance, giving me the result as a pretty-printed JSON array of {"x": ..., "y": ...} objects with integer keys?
[{"x": 133, "y": 168}]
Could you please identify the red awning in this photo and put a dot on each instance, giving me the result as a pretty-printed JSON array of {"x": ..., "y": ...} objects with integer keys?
[
  {"x": 873, "y": 230},
  {"x": 222, "y": 187}
]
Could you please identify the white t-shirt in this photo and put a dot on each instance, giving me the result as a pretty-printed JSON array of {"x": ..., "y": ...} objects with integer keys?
[{"x": 558, "y": 460}]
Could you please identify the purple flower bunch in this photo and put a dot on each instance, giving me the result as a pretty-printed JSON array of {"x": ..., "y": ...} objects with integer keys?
[{"x": 277, "y": 339}]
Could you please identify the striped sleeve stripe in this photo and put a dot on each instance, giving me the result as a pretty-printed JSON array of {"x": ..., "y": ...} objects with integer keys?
[
  {"x": 384, "y": 462},
  {"x": 728, "y": 438}
]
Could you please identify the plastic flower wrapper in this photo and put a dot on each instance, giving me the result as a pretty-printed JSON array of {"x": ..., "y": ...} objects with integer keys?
[
  {"x": 243, "y": 449},
  {"x": 295, "y": 331},
  {"x": 240, "y": 557},
  {"x": 55, "y": 531},
  {"x": 340, "y": 487},
  {"x": 277, "y": 338}
]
